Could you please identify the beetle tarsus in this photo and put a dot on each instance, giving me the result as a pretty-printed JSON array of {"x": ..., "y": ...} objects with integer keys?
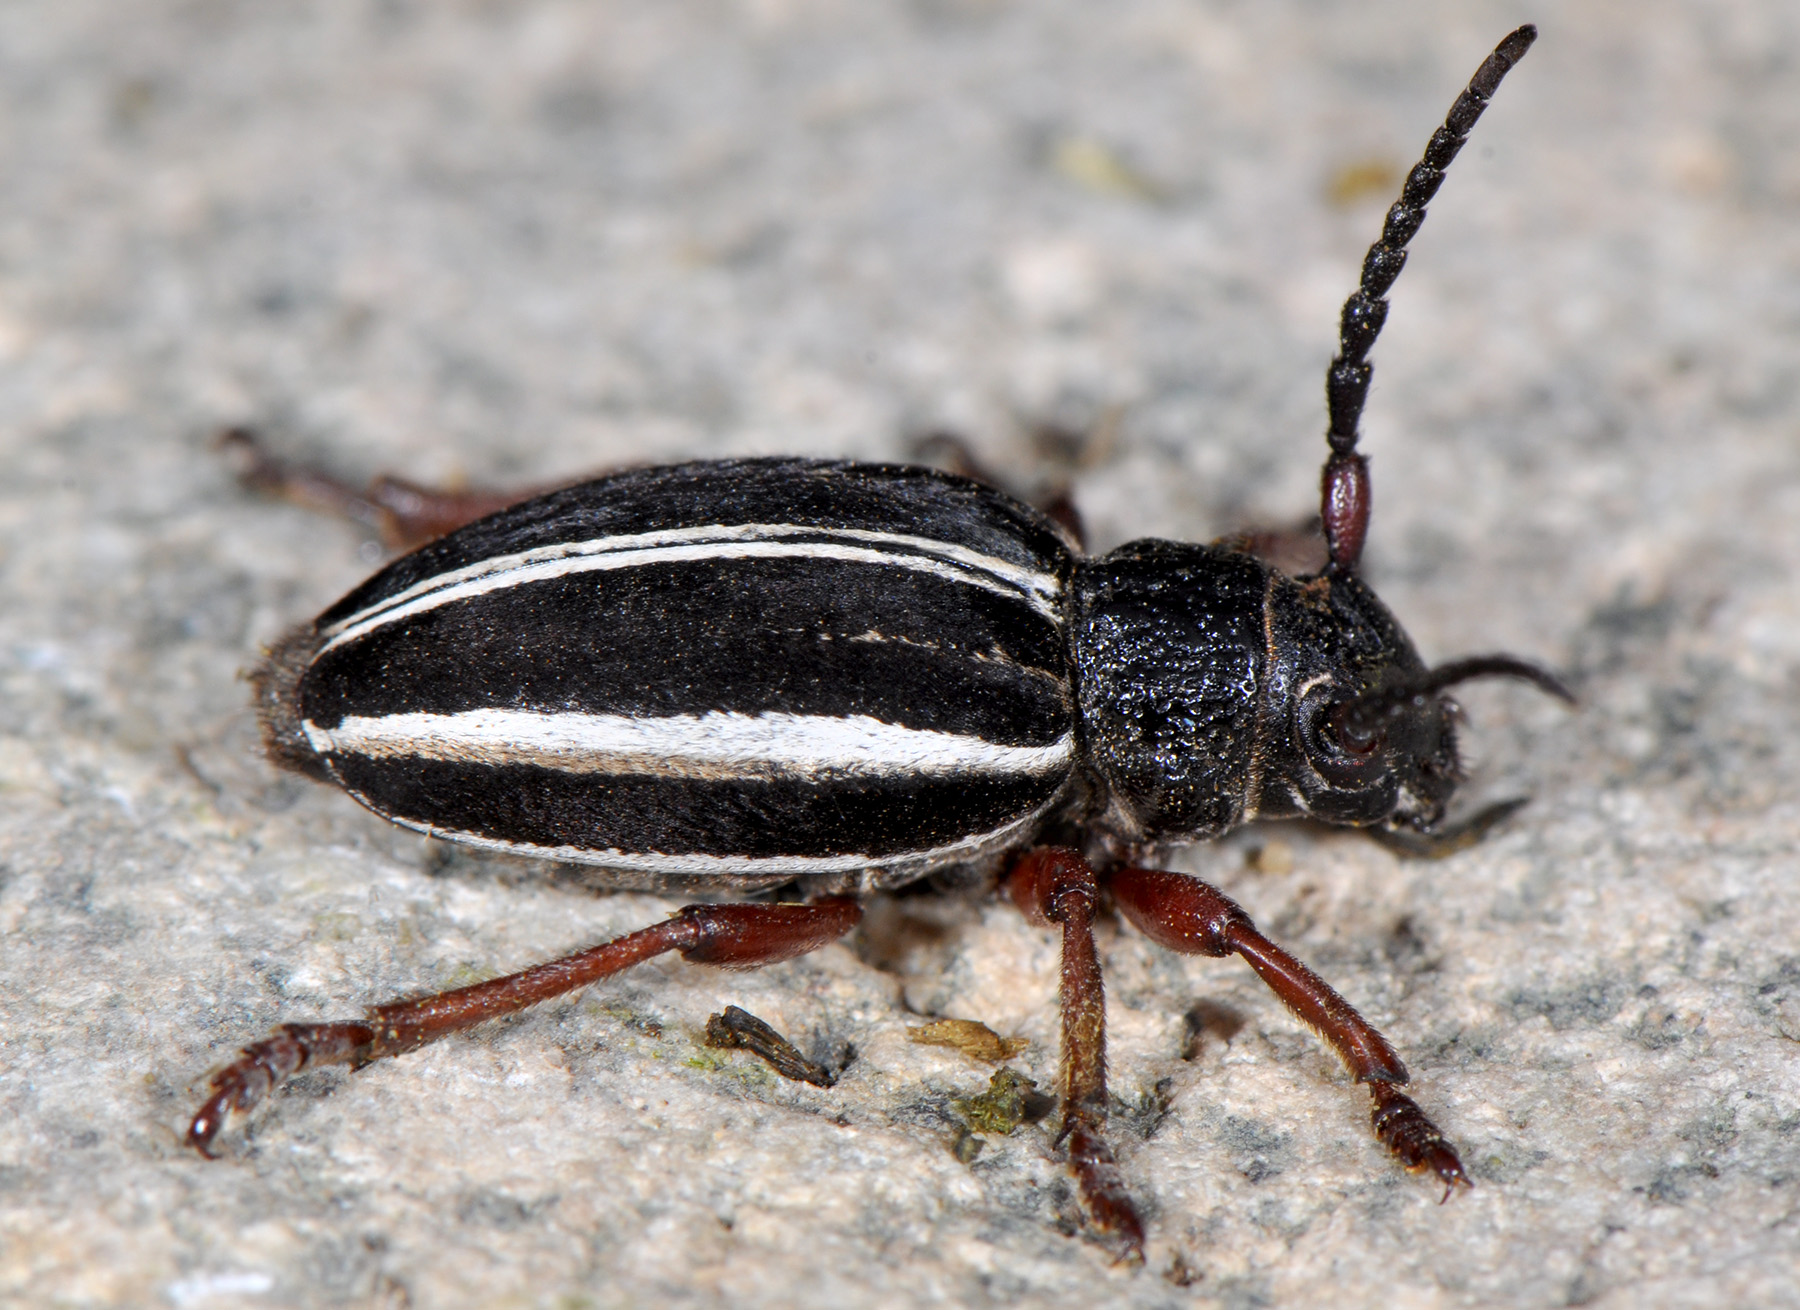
[
  {"x": 1103, "y": 1192},
  {"x": 269, "y": 475},
  {"x": 1415, "y": 1141},
  {"x": 263, "y": 1066},
  {"x": 739, "y": 1030}
]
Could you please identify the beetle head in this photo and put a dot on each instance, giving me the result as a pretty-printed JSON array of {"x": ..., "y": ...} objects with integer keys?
[{"x": 1358, "y": 730}]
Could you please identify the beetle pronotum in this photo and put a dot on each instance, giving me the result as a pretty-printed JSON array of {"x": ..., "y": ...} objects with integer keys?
[{"x": 841, "y": 677}]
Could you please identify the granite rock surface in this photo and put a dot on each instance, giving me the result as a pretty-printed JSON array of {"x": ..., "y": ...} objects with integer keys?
[{"x": 511, "y": 242}]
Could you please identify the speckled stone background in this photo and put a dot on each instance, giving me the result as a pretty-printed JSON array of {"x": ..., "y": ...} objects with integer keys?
[{"x": 515, "y": 241}]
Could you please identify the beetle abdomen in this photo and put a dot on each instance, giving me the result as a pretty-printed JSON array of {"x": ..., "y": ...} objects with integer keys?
[{"x": 779, "y": 668}]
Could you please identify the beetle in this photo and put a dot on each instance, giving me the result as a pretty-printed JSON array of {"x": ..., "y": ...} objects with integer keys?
[{"x": 840, "y": 677}]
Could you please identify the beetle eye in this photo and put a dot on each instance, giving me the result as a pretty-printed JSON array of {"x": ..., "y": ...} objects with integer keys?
[
  {"x": 1344, "y": 747},
  {"x": 1355, "y": 732}
]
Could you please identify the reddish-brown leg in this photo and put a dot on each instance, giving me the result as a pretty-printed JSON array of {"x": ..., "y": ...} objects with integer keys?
[
  {"x": 404, "y": 513},
  {"x": 1296, "y": 550},
  {"x": 1186, "y": 915},
  {"x": 953, "y": 454},
  {"x": 731, "y": 936},
  {"x": 1053, "y": 885}
]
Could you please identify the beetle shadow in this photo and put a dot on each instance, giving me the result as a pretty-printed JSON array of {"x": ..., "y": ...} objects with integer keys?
[{"x": 898, "y": 929}]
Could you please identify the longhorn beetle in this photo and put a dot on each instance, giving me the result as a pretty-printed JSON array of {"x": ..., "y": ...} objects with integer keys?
[{"x": 841, "y": 677}]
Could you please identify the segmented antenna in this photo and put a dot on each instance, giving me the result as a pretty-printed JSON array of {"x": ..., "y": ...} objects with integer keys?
[
  {"x": 1361, "y": 722},
  {"x": 1345, "y": 485}
]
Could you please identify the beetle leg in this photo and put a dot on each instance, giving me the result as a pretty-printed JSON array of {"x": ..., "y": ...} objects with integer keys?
[
  {"x": 1296, "y": 550},
  {"x": 1054, "y": 885},
  {"x": 1186, "y": 915},
  {"x": 404, "y": 513},
  {"x": 731, "y": 936},
  {"x": 951, "y": 453}
]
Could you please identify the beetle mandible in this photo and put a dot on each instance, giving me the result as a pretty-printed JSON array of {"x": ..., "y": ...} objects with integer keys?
[{"x": 842, "y": 677}]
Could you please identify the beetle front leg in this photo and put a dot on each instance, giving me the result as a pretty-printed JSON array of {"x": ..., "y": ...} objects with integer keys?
[
  {"x": 730, "y": 936},
  {"x": 1053, "y": 885},
  {"x": 1186, "y": 915}
]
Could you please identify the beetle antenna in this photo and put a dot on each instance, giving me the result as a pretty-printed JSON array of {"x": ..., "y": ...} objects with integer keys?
[
  {"x": 1493, "y": 666},
  {"x": 1362, "y": 717},
  {"x": 1345, "y": 489}
]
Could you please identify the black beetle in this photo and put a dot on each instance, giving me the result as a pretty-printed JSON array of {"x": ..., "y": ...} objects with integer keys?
[{"x": 843, "y": 677}]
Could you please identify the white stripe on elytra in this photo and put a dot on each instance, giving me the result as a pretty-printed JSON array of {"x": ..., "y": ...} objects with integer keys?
[
  {"x": 744, "y": 866},
  {"x": 1044, "y": 583},
  {"x": 634, "y": 549},
  {"x": 717, "y": 746}
]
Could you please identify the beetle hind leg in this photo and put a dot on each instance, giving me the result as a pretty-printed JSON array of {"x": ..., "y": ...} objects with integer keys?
[
  {"x": 406, "y": 514},
  {"x": 1189, "y": 916},
  {"x": 730, "y": 936},
  {"x": 1054, "y": 885}
]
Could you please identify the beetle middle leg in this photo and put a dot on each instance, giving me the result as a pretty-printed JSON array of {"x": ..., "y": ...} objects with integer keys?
[
  {"x": 1055, "y": 885},
  {"x": 1189, "y": 916},
  {"x": 951, "y": 453},
  {"x": 730, "y": 936}
]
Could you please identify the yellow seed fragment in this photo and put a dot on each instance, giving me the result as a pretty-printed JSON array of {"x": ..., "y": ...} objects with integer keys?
[{"x": 974, "y": 1039}]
